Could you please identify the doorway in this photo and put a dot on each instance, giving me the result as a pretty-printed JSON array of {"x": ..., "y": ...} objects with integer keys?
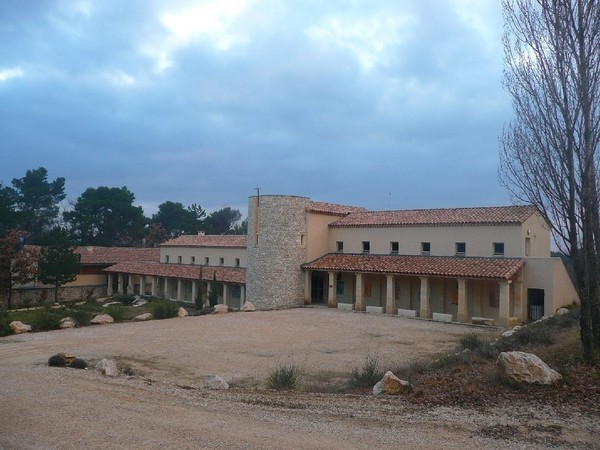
[
  {"x": 535, "y": 304},
  {"x": 317, "y": 290}
]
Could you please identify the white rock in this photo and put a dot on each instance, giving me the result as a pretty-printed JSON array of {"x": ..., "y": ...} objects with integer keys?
[
  {"x": 561, "y": 312},
  {"x": 221, "y": 309},
  {"x": 527, "y": 368},
  {"x": 509, "y": 333},
  {"x": 390, "y": 384},
  {"x": 67, "y": 322},
  {"x": 182, "y": 312},
  {"x": 215, "y": 382},
  {"x": 18, "y": 327},
  {"x": 248, "y": 307},
  {"x": 108, "y": 367},
  {"x": 101, "y": 319},
  {"x": 106, "y": 305},
  {"x": 143, "y": 317}
]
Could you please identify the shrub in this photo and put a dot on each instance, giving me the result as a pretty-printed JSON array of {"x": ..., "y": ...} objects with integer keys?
[
  {"x": 164, "y": 309},
  {"x": 471, "y": 341},
  {"x": 117, "y": 312},
  {"x": 78, "y": 363},
  {"x": 45, "y": 319},
  {"x": 57, "y": 360},
  {"x": 127, "y": 299},
  {"x": 4, "y": 324},
  {"x": 285, "y": 377},
  {"x": 369, "y": 375},
  {"x": 82, "y": 316}
]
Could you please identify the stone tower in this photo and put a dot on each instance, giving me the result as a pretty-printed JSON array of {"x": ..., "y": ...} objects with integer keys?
[{"x": 276, "y": 249}]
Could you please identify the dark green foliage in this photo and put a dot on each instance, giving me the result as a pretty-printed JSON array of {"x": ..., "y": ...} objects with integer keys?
[
  {"x": 58, "y": 263},
  {"x": 285, "y": 377},
  {"x": 58, "y": 360},
  {"x": 368, "y": 375},
  {"x": 4, "y": 324},
  {"x": 82, "y": 316},
  {"x": 117, "y": 312},
  {"x": 127, "y": 299},
  {"x": 471, "y": 341},
  {"x": 199, "y": 301},
  {"x": 213, "y": 297},
  {"x": 222, "y": 221},
  {"x": 45, "y": 319},
  {"x": 164, "y": 309},
  {"x": 78, "y": 363},
  {"x": 175, "y": 219}
]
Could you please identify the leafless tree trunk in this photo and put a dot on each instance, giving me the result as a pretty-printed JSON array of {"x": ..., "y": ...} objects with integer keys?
[{"x": 549, "y": 152}]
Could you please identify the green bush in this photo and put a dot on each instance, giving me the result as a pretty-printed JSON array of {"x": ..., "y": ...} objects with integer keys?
[
  {"x": 369, "y": 375},
  {"x": 164, "y": 309},
  {"x": 127, "y": 299},
  {"x": 45, "y": 319},
  {"x": 117, "y": 312},
  {"x": 472, "y": 341},
  {"x": 4, "y": 324},
  {"x": 285, "y": 377}
]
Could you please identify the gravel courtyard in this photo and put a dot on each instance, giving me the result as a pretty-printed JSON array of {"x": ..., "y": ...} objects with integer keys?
[{"x": 165, "y": 406}]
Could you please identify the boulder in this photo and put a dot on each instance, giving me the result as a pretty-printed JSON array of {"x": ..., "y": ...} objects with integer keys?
[
  {"x": 248, "y": 307},
  {"x": 18, "y": 327},
  {"x": 561, "y": 312},
  {"x": 509, "y": 333},
  {"x": 221, "y": 309},
  {"x": 182, "y": 312},
  {"x": 527, "y": 368},
  {"x": 390, "y": 384},
  {"x": 101, "y": 319},
  {"x": 108, "y": 367},
  {"x": 215, "y": 382},
  {"x": 61, "y": 359},
  {"x": 143, "y": 317},
  {"x": 67, "y": 322}
]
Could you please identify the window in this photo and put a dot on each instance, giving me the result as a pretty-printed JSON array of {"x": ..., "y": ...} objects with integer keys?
[
  {"x": 302, "y": 239},
  {"x": 206, "y": 260},
  {"x": 366, "y": 247},
  {"x": 394, "y": 247},
  {"x": 425, "y": 248},
  {"x": 166, "y": 258},
  {"x": 193, "y": 260},
  {"x": 461, "y": 249},
  {"x": 499, "y": 248},
  {"x": 179, "y": 260},
  {"x": 527, "y": 246},
  {"x": 237, "y": 262},
  {"x": 221, "y": 261},
  {"x": 256, "y": 239},
  {"x": 339, "y": 246},
  {"x": 339, "y": 288}
]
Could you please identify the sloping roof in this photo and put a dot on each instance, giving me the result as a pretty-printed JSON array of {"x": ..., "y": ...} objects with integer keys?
[
  {"x": 441, "y": 266},
  {"x": 110, "y": 255},
  {"x": 183, "y": 271},
  {"x": 200, "y": 240},
  {"x": 493, "y": 215},
  {"x": 332, "y": 209}
]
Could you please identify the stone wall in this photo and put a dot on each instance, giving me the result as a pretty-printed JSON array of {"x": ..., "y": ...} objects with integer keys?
[
  {"x": 274, "y": 279},
  {"x": 36, "y": 296}
]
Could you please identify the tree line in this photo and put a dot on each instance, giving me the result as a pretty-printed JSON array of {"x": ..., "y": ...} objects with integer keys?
[{"x": 103, "y": 216}]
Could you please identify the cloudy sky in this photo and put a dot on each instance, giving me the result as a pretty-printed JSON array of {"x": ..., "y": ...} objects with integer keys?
[{"x": 383, "y": 104}]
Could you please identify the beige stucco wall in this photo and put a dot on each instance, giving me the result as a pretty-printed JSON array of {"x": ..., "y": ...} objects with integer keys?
[
  {"x": 317, "y": 235},
  {"x": 538, "y": 232},
  {"x": 213, "y": 253},
  {"x": 550, "y": 275},
  {"x": 479, "y": 239}
]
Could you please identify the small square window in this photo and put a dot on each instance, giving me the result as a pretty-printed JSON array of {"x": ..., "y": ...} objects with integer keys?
[
  {"x": 179, "y": 259},
  {"x": 366, "y": 247},
  {"x": 499, "y": 248},
  {"x": 221, "y": 261},
  {"x": 237, "y": 262},
  {"x": 425, "y": 248},
  {"x": 461, "y": 249},
  {"x": 339, "y": 246},
  {"x": 394, "y": 248},
  {"x": 193, "y": 260},
  {"x": 166, "y": 258},
  {"x": 206, "y": 260}
]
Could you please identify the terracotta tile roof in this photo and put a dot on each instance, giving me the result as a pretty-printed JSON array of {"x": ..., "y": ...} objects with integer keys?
[
  {"x": 494, "y": 215},
  {"x": 199, "y": 240},
  {"x": 332, "y": 209},
  {"x": 183, "y": 271},
  {"x": 441, "y": 266},
  {"x": 110, "y": 255}
]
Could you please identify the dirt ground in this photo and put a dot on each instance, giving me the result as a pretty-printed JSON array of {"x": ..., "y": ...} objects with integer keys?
[{"x": 164, "y": 404}]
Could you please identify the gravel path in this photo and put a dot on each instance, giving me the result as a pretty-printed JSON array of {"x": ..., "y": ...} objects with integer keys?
[{"x": 165, "y": 406}]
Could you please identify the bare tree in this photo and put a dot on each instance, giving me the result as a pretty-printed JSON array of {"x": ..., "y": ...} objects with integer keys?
[{"x": 549, "y": 152}]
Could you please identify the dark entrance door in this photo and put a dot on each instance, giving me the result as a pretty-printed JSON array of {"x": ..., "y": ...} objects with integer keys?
[
  {"x": 535, "y": 304},
  {"x": 317, "y": 287}
]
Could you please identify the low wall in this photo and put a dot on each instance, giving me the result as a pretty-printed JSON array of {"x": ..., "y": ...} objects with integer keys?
[{"x": 38, "y": 295}]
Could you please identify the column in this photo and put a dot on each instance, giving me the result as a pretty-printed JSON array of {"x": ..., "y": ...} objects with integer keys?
[
  {"x": 109, "y": 287},
  {"x": 307, "y": 287},
  {"x": 463, "y": 310},
  {"x": 225, "y": 302},
  {"x": 142, "y": 285},
  {"x": 332, "y": 293},
  {"x": 130, "y": 284},
  {"x": 242, "y": 294},
  {"x": 179, "y": 289},
  {"x": 520, "y": 306},
  {"x": 120, "y": 285},
  {"x": 390, "y": 295},
  {"x": 166, "y": 293},
  {"x": 359, "y": 304},
  {"x": 425, "y": 312},
  {"x": 194, "y": 290},
  {"x": 504, "y": 310},
  {"x": 154, "y": 286}
]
